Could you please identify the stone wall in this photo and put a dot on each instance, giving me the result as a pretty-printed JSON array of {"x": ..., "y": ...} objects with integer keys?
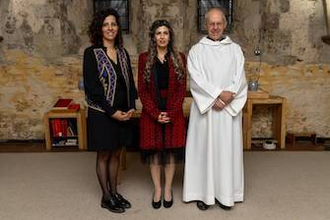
[{"x": 43, "y": 42}]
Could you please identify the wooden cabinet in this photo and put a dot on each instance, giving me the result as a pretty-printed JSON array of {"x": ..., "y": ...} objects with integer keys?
[
  {"x": 278, "y": 105},
  {"x": 78, "y": 117}
]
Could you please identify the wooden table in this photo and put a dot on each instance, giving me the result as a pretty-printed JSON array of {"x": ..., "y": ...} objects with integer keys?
[
  {"x": 80, "y": 117},
  {"x": 278, "y": 105}
]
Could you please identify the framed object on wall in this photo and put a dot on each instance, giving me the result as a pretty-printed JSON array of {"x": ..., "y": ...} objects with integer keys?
[
  {"x": 205, "y": 5},
  {"x": 121, "y": 6}
]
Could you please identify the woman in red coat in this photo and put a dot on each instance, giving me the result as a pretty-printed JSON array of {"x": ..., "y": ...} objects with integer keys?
[{"x": 162, "y": 88}]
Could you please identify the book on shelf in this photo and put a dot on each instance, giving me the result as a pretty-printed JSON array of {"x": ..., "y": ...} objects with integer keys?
[
  {"x": 71, "y": 142},
  {"x": 59, "y": 127},
  {"x": 70, "y": 132},
  {"x": 58, "y": 143},
  {"x": 61, "y": 142},
  {"x": 62, "y": 104},
  {"x": 72, "y": 126},
  {"x": 64, "y": 127}
]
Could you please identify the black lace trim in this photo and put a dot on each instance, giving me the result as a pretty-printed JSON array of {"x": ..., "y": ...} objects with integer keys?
[{"x": 163, "y": 157}]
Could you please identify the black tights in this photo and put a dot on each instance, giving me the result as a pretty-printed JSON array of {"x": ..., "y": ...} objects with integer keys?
[{"x": 107, "y": 164}]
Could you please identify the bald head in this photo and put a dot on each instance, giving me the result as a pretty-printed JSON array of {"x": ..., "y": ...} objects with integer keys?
[
  {"x": 215, "y": 22},
  {"x": 215, "y": 12}
]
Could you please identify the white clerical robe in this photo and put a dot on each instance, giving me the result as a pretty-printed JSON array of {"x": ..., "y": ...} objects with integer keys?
[{"x": 214, "y": 149}]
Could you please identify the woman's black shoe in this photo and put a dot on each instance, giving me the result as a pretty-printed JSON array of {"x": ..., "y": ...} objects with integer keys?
[
  {"x": 112, "y": 204},
  {"x": 168, "y": 204},
  {"x": 156, "y": 205},
  {"x": 123, "y": 202},
  {"x": 202, "y": 206}
]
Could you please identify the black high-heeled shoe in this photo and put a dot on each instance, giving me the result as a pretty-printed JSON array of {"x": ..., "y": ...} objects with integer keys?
[
  {"x": 168, "y": 204},
  {"x": 156, "y": 205},
  {"x": 112, "y": 204}
]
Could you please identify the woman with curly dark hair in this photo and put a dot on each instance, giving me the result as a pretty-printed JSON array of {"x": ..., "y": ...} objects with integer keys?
[
  {"x": 110, "y": 94},
  {"x": 162, "y": 88}
]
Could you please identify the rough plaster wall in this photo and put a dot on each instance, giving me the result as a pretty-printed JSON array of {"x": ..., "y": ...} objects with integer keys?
[
  {"x": 40, "y": 56},
  {"x": 39, "y": 61},
  {"x": 171, "y": 10},
  {"x": 297, "y": 65},
  {"x": 287, "y": 31},
  {"x": 307, "y": 90}
]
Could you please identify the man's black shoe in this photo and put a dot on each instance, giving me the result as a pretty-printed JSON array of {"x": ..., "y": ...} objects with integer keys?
[
  {"x": 224, "y": 207},
  {"x": 202, "y": 206}
]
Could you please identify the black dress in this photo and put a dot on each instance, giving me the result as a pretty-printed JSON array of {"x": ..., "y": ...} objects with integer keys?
[{"x": 104, "y": 132}]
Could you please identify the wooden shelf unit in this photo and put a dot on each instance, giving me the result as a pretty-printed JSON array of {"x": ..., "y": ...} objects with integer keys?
[
  {"x": 278, "y": 105},
  {"x": 80, "y": 117}
]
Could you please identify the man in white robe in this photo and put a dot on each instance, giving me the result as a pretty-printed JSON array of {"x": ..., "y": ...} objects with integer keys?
[{"x": 214, "y": 149}]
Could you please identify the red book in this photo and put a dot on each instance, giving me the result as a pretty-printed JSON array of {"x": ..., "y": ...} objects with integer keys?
[
  {"x": 62, "y": 104},
  {"x": 53, "y": 123},
  {"x": 56, "y": 127},
  {"x": 59, "y": 127},
  {"x": 64, "y": 127},
  {"x": 74, "y": 107}
]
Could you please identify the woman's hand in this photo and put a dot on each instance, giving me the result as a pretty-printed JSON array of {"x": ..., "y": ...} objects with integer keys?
[
  {"x": 131, "y": 112},
  {"x": 163, "y": 118},
  {"x": 121, "y": 116}
]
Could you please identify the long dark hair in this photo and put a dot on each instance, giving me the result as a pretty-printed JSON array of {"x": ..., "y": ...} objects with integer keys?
[
  {"x": 95, "y": 27},
  {"x": 152, "y": 51}
]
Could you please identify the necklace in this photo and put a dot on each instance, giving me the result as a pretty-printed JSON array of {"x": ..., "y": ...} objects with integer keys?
[
  {"x": 112, "y": 53},
  {"x": 162, "y": 59}
]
